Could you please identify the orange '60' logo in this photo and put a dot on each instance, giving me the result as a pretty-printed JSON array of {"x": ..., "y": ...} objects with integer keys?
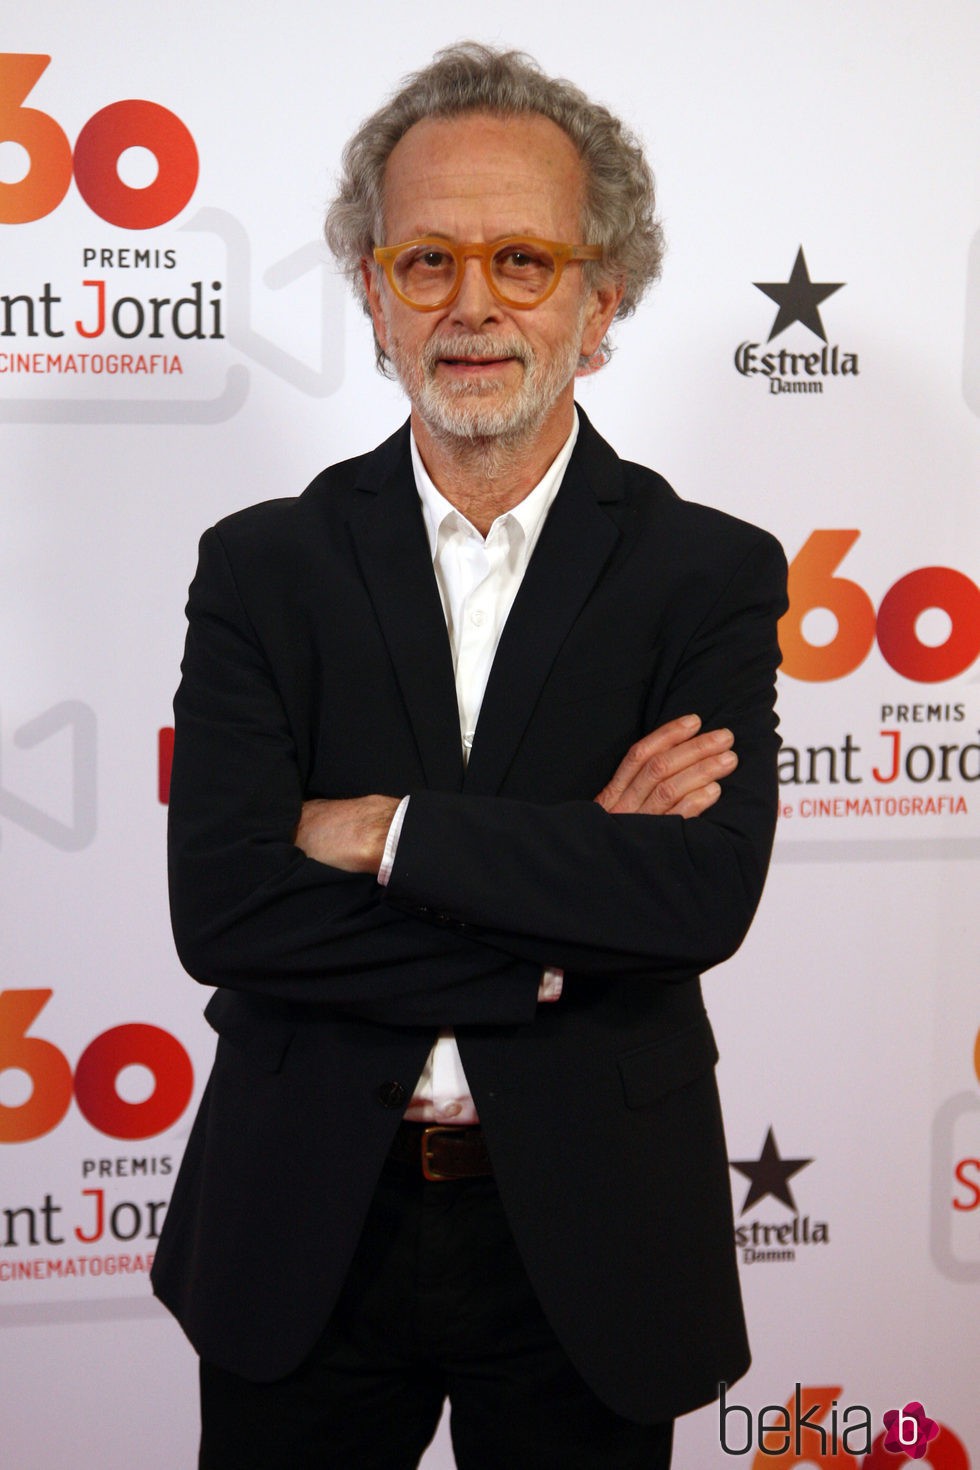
[
  {"x": 812, "y": 585},
  {"x": 121, "y": 125},
  {"x": 94, "y": 1082}
]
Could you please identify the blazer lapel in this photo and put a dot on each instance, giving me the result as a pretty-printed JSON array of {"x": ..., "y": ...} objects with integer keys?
[
  {"x": 393, "y": 553},
  {"x": 575, "y": 544}
]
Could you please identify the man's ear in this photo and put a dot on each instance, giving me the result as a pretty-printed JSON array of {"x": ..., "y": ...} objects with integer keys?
[
  {"x": 371, "y": 276},
  {"x": 603, "y": 306}
]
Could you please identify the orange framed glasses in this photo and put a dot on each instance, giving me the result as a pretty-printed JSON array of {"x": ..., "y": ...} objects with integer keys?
[{"x": 520, "y": 271}]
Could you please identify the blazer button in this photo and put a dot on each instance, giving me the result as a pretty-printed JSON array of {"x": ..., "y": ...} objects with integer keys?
[{"x": 391, "y": 1095}]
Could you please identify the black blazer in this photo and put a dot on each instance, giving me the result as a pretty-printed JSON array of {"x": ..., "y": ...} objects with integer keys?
[{"x": 318, "y": 664}]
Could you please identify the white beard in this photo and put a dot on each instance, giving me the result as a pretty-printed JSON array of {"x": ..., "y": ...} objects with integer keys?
[{"x": 459, "y": 410}]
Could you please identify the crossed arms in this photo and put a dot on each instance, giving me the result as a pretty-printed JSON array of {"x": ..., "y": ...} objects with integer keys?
[
  {"x": 274, "y": 894},
  {"x": 673, "y": 771}
]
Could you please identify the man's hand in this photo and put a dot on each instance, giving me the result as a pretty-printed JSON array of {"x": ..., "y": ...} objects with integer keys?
[
  {"x": 674, "y": 771},
  {"x": 349, "y": 833}
]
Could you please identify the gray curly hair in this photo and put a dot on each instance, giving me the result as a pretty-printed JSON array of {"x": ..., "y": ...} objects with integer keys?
[{"x": 470, "y": 77}]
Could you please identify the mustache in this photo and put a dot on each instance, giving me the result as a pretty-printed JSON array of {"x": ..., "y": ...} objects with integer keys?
[{"x": 475, "y": 347}]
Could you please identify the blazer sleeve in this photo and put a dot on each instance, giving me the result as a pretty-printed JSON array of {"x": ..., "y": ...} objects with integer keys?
[
  {"x": 572, "y": 886},
  {"x": 250, "y": 911}
]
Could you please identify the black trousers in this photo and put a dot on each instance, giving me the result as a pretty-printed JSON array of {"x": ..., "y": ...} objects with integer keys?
[{"x": 437, "y": 1304}]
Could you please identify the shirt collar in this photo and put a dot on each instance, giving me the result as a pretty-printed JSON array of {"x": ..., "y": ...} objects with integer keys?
[{"x": 529, "y": 513}]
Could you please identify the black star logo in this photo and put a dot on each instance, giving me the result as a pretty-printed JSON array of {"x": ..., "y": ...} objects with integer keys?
[
  {"x": 769, "y": 1174},
  {"x": 798, "y": 298}
]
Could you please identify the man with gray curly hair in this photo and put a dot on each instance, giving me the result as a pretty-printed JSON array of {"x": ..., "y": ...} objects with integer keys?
[
  {"x": 449, "y": 834},
  {"x": 617, "y": 208}
]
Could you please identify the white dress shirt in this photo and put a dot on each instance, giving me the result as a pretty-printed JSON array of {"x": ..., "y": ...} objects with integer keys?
[{"x": 478, "y": 580}]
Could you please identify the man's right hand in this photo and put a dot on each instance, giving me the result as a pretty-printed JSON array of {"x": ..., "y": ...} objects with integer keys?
[{"x": 674, "y": 771}]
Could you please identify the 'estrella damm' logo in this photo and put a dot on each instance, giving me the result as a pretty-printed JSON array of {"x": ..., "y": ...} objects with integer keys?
[
  {"x": 775, "y": 1240},
  {"x": 804, "y": 369}
]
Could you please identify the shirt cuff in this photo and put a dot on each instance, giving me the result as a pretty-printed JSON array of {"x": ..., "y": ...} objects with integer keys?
[
  {"x": 550, "y": 985},
  {"x": 391, "y": 842}
]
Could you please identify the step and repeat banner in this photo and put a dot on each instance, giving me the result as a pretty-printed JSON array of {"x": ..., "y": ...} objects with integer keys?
[{"x": 175, "y": 343}]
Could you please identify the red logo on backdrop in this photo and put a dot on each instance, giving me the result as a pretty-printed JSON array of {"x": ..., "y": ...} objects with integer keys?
[
  {"x": 812, "y": 585},
  {"x": 93, "y": 1083},
  {"x": 165, "y": 760},
  {"x": 967, "y": 1170},
  {"x": 52, "y": 163},
  {"x": 955, "y": 1238}
]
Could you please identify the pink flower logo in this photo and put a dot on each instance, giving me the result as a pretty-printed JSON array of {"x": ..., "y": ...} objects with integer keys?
[{"x": 910, "y": 1431}]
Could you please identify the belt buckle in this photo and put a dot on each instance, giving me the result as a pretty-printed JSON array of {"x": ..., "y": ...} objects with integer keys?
[{"x": 427, "y": 1170}]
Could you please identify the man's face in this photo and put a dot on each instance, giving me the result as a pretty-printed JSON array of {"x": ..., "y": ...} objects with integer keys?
[{"x": 477, "y": 368}]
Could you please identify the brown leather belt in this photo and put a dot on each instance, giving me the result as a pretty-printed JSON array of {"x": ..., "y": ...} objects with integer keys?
[{"x": 442, "y": 1153}]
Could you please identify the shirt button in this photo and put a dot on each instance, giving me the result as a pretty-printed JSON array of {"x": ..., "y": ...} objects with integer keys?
[
  {"x": 391, "y": 1095},
  {"x": 451, "y": 1110},
  {"x": 478, "y": 618}
]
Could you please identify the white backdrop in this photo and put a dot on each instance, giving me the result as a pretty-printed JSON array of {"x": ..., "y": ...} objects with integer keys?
[{"x": 848, "y": 1021}]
